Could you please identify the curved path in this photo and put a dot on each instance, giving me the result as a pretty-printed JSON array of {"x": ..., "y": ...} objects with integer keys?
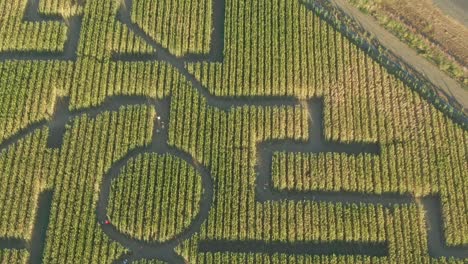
[
  {"x": 264, "y": 191},
  {"x": 446, "y": 86},
  {"x": 140, "y": 249}
]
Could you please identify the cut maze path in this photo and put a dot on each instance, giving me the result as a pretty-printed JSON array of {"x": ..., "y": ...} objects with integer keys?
[
  {"x": 316, "y": 143},
  {"x": 70, "y": 47},
  {"x": 264, "y": 190},
  {"x": 36, "y": 245},
  {"x": 298, "y": 248},
  {"x": 12, "y": 243},
  {"x": 217, "y": 35},
  {"x": 140, "y": 249},
  {"x": 38, "y": 239}
]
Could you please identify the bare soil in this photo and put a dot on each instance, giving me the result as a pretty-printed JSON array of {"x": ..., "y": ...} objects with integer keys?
[
  {"x": 425, "y": 18},
  {"x": 457, "y": 9},
  {"x": 264, "y": 192}
]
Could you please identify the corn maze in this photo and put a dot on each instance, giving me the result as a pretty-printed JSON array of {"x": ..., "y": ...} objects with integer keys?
[{"x": 216, "y": 131}]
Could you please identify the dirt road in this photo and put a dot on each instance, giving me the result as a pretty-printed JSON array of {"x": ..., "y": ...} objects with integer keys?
[
  {"x": 457, "y": 9},
  {"x": 447, "y": 87}
]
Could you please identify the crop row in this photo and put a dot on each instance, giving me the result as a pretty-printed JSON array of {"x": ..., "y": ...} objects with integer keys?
[
  {"x": 301, "y": 172},
  {"x": 90, "y": 147},
  {"x": 29, "y": 92},
  {"x": 277, "y": 258},
  {"x": 14, "y": 256},
  {"x": 155, "y": 197},
  {"x": 294, "y": 222},
  {"x": 272, "y": 48},
  {"x": 21, "y": 184},
  {"x": 183, "y": 27},
  {"x": 19, "y": 35},
  {"x": 363, "y": 102},
  {"x": 150, "y": 79},
  {"x": 74, "y": 173},
  {"x": 126, "y": 42},
  {"x": 197, "y": 127},
  {"x": 104, "y": 35},
  {"x": 65, "y": 8},
  {"x": 189, "y": 22},
  {"x": 231, "y": 137},
  {"x": 402, "y": 227}
]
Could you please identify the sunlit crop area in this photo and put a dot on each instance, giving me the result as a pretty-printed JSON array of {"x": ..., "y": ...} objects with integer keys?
[{"x": 224, "y": 131}]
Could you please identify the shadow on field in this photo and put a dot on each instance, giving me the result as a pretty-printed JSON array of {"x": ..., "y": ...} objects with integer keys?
[
  {"x": 36, "y": 245},
  {"x": 264, "y": 191},
  {"x": 70, "y": 48}
]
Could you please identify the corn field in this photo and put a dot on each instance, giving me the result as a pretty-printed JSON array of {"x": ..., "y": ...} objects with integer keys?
[{"x": 297, "y": 147}]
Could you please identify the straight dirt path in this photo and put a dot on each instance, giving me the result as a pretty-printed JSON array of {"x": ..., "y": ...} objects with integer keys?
[{"x": 446, "y": 86}]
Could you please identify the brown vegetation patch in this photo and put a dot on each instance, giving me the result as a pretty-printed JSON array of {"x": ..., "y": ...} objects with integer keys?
[{"x": 425, "y": 18}]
